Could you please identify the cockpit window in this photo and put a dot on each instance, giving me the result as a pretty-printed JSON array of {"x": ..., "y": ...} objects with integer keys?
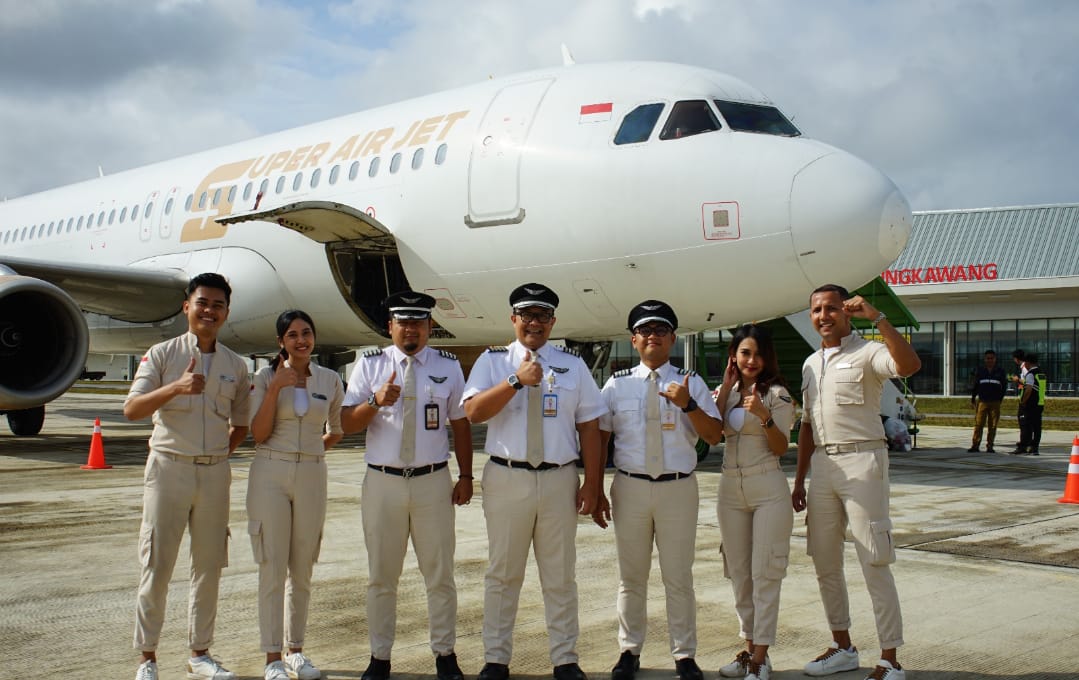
[
  {"x": 756, "y": 118},
  {"x": 689, "y": 118},
  {"x": 638, "y": 124}
]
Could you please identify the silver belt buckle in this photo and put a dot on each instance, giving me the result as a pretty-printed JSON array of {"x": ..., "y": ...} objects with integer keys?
[{"x": 408, "y": 472}]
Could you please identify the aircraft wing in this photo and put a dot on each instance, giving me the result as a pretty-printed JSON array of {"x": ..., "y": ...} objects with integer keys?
[{"x": 124, "y": 293}]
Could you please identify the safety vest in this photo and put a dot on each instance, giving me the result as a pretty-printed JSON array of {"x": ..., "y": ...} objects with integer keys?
[{"x": 1039, "y": 386}]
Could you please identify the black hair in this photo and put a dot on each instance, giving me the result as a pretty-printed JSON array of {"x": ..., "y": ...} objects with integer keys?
[
  {"x": 989, "y": 351},
  {"x": 1019, "y": 354},
  {"x": 844, "y": 294},
  {"x": 769, "y": 374},
  {"x": 1032, "y": 358},
  {"x": 211, "y": 280},
  {"x": 283, "y": 322}
]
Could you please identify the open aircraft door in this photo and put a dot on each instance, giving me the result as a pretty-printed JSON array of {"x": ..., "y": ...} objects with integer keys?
[
  {"x": 362, "y": 253},
  {"x": 494, "y": 171}
]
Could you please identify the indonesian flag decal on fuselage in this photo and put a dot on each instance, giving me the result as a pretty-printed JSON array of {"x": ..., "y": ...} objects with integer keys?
[{"x": 596, "y": 113}]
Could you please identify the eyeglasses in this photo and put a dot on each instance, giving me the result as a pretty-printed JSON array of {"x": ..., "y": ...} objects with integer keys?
[
  {"x": 538, "y": 317},
  {"x": 658, "y": 331}
]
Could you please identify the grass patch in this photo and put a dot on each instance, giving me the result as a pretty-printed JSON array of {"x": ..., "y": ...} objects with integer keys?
[{"x": 1054, "y": 406}]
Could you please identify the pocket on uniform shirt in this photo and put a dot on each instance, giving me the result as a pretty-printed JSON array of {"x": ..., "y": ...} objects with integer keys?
[
  {"x": 627, "y": 413},
  {"x": 226, "y": 394},
  {"x": 254, "y": 530},
  {"x": 882, "y": 548},
  {"x": 848, "y": 386}
]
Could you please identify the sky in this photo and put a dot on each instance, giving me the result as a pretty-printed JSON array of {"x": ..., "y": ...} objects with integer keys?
[{"x": 963, "y": 103}]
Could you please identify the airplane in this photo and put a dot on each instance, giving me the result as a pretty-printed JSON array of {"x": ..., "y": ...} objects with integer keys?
[{"x": 612, "y": 183}]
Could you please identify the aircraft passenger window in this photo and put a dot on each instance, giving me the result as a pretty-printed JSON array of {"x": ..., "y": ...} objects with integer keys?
[
  {"x": 149, "y": 209},
  {"x": 23, "y": 237},
  {"x": 112, "y": 214},
  {"x": 134, "y": 212},
  {"x": 264, "y": 187},
  {"x": 689, "y": 118},
  {"x": 187, "y": 203},
  {"x": 50, "y": 228},
  {"x": 297, "y": 181},
  {"x": 217, "y": 199},
  {"x": 395, "y": 163},
  {"x": 101, "y": 218},
  {"x": 232, "y": 194},
  {"x": 334, "y": 172},
  {"x": 247, "y": 191},
  {"x": 756, "y": 118},
  {"x": 316, "y": 174},
  {"x": 440, "y": 154},
  {"x": 417, "y": 159},
  {"x": 280, "y": 184},
  {"x": 372, "y": 169},
  {"x": 123, "y": 215},
  {"x": 70, "y": 221},
  {"x": 353, "y": 170},
  {"x": 202, "y": 201},
  {"x": 638, "y": 124},
  {"x": 78, "y": 227},
  {"x": 168, "y": 207}
]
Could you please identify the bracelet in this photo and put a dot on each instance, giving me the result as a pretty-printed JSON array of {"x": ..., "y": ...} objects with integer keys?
[
  {"x": 880, "y": 317},
  {"x": 465, "y": 477}
]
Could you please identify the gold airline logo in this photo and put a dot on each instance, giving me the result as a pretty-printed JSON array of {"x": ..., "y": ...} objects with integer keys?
[{"x": 203, "y": 227}]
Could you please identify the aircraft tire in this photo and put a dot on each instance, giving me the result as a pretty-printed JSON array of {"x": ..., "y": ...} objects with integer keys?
[{"x": 27, "y": 422}]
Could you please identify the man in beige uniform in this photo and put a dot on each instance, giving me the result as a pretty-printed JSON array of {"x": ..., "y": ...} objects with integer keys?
[
  {"x": 843, "y": 436},
  {"x": 197, "y": 391},
  {"x": 657, "y": 413},
  {"x": 404, "y": 395}
]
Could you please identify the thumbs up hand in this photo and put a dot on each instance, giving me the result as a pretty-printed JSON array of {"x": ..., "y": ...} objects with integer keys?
[
  {"x": 284, "y": 376},
  {"x": 190, "y": 382},
  {"x": 390, "y": 392},
  {"x": 530, "y": 372},
  {"x": 677, "y": 393}
]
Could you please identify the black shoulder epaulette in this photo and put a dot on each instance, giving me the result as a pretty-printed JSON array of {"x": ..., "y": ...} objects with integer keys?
[
  {"x": 686, "y": 371},
  {"x": 448, "y": 355},
  {"x": 623, "y": 373},
  {"x": 499, "y": 348},
  {"x": 569, "y": 350},
  {"x": 372, "y": 353}
]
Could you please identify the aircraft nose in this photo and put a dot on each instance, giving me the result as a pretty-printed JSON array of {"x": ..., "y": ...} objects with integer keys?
[{"x": 848, "y": 220}]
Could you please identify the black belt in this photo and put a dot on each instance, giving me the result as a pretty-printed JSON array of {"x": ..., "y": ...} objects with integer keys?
[
  {"x": 669, "y": 477},
  {"x": 409, "y": 472},
  {"x": 505, "y": 462}
]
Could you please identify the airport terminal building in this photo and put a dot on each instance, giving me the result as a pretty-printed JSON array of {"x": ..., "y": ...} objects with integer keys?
[{"x": 992, "y": 278}]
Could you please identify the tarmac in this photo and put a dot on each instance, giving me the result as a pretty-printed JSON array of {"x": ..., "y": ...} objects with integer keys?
[{"x": 987, "y": 569}]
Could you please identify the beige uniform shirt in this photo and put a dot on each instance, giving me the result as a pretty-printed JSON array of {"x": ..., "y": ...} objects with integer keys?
[
  {"x": 748, "y": 446},
  {"x": 301, "y": 434},
  {"x": 841, "y": 394},
  {"x": 194, "y": 424}
]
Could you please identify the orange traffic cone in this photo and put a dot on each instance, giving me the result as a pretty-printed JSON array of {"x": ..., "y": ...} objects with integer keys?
[
  {"x": 1071, "y": 486},
  {"x": 96, "y": 459}
]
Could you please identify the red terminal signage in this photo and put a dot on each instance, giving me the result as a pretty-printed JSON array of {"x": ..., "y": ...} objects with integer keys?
[{"x": 953, "y": 273}]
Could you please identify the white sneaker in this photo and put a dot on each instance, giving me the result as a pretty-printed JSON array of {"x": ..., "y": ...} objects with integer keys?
[
  {"x": 835, "y": 660},
  {"x": 275, "y": 670},
  {"x": 206, "y": 667},
  {"x": 740, "y": 666},
  {"x": 299, "y": 667},
  {"x": 759, "y": 672},
  {"x": 886, "y": 671},
  {"x": 147, "y": 671}
]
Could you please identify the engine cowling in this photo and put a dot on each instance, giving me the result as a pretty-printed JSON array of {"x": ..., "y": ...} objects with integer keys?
[{"x": 43, "y": 341}]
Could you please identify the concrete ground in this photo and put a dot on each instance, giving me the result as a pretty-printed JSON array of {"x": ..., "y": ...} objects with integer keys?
[{"x": 988, "y": 570}]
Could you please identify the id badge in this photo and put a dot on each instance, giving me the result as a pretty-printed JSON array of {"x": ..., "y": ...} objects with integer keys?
[
  {"x": 430, "y": 417},
  {"x": 667, "y": 419},
  {"x": 550, "y": 405}
]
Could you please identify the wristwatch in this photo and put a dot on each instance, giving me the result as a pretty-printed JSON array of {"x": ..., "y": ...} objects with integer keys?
[
  {"x": 880, "y": 317},
  {"x": 373, "y": 403},
  {"x": 691, "y": 406},
  {"x": 769, "y": 423},
  {"x": 514, "y": 382}
]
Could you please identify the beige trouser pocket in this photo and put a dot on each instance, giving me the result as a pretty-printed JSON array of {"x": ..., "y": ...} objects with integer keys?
[
  {"x": 882, "y": 549},
  {"x": 146, "y": 545},
  {"x": 254, "y": 530},
  {"x": 779, "y": 556},
  {"x": 723, "y": 554},
  {"x": 318, "y": 548}
]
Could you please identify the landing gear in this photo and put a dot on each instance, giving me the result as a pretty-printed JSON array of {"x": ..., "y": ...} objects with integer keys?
[
  {"x": 27, "y": 422},
  {"x": 595, "y": 354}
]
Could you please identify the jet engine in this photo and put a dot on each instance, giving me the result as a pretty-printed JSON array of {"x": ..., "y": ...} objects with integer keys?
[{"x": 43, "y": 346}]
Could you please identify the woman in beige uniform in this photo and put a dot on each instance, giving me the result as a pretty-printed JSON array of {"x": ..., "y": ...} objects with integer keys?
[
  {"x": 755, "y": 513},
  {"x": 294, "y": 401}
]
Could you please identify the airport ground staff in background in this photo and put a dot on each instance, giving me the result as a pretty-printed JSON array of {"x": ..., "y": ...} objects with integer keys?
[
  {"x": 404, "y": 396},
  {"x": 986, "y": 396},
  {"x": 842, "y": 435},
  {"x": 656, "y": 414},
  {"x": 537, "y": 400},
  {"x": 754, "y": 508},
  {"x": 197, "y": 391},
  {"x": 297, "y": 407},
  {"x": 1031, "y": 406}
]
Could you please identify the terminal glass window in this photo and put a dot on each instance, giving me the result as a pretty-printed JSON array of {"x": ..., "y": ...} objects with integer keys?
[
  {"x": 638, "y": 124},
  {"x": 756, "y": 118},
  {"x": 928, "y": 343},
  {"x": 689, "y": 118}
]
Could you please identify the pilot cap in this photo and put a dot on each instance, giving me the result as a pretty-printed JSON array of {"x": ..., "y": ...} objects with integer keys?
[
  {"x": 407, "y": 304},
  {"x": 533, "y": 295},
  {"x": 652, "y": 310}
]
